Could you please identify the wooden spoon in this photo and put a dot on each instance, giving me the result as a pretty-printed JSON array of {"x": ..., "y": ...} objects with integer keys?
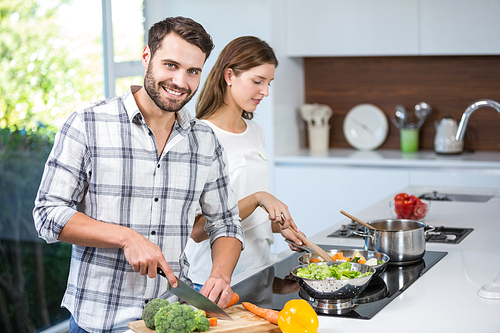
[
  {"x": 322, "y": 253},
  {"x": 358, "y": 220}
]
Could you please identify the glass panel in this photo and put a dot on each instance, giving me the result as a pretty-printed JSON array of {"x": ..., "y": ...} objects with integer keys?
[
  {"x": 51, "y": 62},
  {"x": 128, "y": 29},
  {"x": 123, "y": 83}
]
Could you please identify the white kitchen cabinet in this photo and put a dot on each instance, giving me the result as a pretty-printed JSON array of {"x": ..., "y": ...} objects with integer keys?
[
  {"x": 460, "y": 27},
  {"x": 351, "y": 28},
  {"x": 392, "y": 27},
  {"x": 315, "y": 194}
]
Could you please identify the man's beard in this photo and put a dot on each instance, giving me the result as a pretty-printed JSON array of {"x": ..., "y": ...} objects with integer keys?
[{"x": 167, "y": 104}]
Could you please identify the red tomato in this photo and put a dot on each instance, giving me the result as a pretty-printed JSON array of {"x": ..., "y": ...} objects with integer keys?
[
  {"x": 403, "y": 208},
  {"x": 420, "y": 210},
  {"x": 401, "y": 197}
]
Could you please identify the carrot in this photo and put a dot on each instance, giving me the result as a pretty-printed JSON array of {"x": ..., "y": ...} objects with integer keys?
[
  {"x": 234, "y": 299},
  {"x": 338, "y": 256},
  {"x": 268, "y": 314},
  {"x": 213, "y": 321},
  {"x": 314, "y": 260},
  {"x": 361, "y": 261}
]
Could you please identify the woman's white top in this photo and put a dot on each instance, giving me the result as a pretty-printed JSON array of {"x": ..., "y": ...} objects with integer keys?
[{"x": 248, "y": 173}]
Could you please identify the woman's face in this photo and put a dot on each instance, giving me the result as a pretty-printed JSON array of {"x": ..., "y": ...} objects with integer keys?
[{"x": 249, "y": 88}]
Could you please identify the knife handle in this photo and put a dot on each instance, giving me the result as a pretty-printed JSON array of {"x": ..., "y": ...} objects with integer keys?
[{"x": 160, "y": 271}]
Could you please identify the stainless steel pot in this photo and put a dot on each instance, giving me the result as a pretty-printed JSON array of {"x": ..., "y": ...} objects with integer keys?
[{"x": 401, "y": 239}]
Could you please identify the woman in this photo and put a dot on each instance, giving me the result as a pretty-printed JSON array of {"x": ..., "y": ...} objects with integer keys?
[{"x": 237, "y": 83}]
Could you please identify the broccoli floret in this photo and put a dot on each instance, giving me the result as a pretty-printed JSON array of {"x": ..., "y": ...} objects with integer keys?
[
  {"x": 202, "y": 322},
  {"x": 175, "y": 318},
  {"x": 153, "y": 306}
]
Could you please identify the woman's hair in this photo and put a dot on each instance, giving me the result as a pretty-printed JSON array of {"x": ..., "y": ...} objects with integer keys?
[
  {"x": 241, "y": 54},
  {"x": 189, "y": 30}
]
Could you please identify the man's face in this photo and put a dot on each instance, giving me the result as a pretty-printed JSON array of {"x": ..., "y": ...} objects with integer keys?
[{"x": 173, "y": 74}]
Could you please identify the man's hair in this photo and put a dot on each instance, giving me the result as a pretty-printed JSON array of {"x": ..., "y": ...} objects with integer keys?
[{"x": 189, "y": 30}]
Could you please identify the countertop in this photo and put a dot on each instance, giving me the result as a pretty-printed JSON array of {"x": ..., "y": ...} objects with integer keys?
[
  {"x": 445, "y": 298},
  {"x": 394, "y": 158}
]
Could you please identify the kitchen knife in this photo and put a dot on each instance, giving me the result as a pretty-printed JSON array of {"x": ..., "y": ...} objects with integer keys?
[{"x": 191, "y": 296}]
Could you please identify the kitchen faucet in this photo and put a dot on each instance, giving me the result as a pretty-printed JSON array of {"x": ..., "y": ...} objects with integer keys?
[{"x": 473, "y": 107}]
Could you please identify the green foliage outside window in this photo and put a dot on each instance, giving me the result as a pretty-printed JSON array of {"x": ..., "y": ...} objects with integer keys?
[{"x": 40, "y": 85}]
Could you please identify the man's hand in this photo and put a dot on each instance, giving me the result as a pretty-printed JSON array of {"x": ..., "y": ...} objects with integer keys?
[
  {"x": 218, "y": 291},
  {"x": 145, "y": 257}
]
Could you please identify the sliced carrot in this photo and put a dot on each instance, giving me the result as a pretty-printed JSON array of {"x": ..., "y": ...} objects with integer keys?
[
  {"x": 338, "y": 256},
  {"x": 361, "y": 261},
  {"x": 234, "y": 299},
  {"x": 268, "y": 314},
  {"x": 212, "y": 321},
  {"x": 314, "y": 260}
]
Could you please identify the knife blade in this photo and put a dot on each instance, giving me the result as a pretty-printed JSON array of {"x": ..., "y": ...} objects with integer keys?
[{"x": 191, "y": 296}]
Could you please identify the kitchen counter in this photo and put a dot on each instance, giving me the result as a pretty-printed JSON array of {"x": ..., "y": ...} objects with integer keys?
[
  {"x": 445, "y": 298},
  {"x": 394, "y": 158}
]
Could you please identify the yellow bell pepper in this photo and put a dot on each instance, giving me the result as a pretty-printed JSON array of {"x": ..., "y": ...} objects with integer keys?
[{"x": 297, "y": 316}]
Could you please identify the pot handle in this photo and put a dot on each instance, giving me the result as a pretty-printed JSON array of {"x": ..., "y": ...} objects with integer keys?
[
  {"x": 362, "y": 234},
  {"x": 431, "y": 228}
]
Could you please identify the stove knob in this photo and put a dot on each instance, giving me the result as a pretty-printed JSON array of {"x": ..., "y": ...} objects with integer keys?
[
  {"x": 353, "y": 225},
  {"x": 343, "y": 229}
]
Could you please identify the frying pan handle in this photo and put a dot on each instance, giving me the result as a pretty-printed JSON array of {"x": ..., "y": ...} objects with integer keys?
[{"x": 362, "y": 234}]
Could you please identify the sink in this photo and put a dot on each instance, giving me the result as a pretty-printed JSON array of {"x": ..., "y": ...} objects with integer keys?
[{"x": 437, "y": 196}]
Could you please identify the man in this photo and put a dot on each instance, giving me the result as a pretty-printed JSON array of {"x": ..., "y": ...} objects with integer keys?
[{"x": 122, "y": 184}]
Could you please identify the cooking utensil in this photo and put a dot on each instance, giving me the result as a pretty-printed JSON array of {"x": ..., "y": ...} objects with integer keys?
[
  {"x": 401, "y": 239},
  {"x": 315, "y": 247},
  {"x": 191, "y": 296},
  {"x": 422, "y": 111},
  {"x": 402, "y": 116},
  {"x": 333, "y": 289},
  {"x": 357, "y": 220},
  {"x": 349, "y": 253}
]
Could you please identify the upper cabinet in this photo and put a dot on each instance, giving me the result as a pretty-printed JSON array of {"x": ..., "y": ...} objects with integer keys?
[
  {"x": 460, "y": 27},
  {"x": 392, "y": 27},
  {"x": 352, "y": 28}
]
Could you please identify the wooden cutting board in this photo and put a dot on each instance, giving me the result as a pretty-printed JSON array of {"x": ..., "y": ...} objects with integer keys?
[{"x": 243, "y": 321}]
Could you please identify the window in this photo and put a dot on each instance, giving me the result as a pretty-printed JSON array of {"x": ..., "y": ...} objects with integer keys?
[
  {"x": 55, "y": 56},
  {"x": 124, "y": 37}
]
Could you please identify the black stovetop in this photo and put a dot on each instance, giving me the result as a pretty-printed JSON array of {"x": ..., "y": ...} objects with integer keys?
[{"x": 274, "y": 286}]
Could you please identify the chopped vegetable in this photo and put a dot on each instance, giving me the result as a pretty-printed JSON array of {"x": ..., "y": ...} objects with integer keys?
[
  {"x": 409, "y": 207},
  {"x": 298, "y": 316},
  {"x": 268, "y": 314},
  {"x": 234, "y": 299},
  {"x": 180, "y": 318},
  {"x": 151, "y": 308},
  {"x": 321, "y": 272},
  {"x": 213, "y": 321}
]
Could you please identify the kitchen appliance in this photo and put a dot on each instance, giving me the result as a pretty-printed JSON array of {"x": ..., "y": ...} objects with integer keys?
[
  {"x": 274, "y": 286},
  {"x": 191, "y": 296},
  {"x": 445, "y": 140},
  {"x": 441, "y": 234}
]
